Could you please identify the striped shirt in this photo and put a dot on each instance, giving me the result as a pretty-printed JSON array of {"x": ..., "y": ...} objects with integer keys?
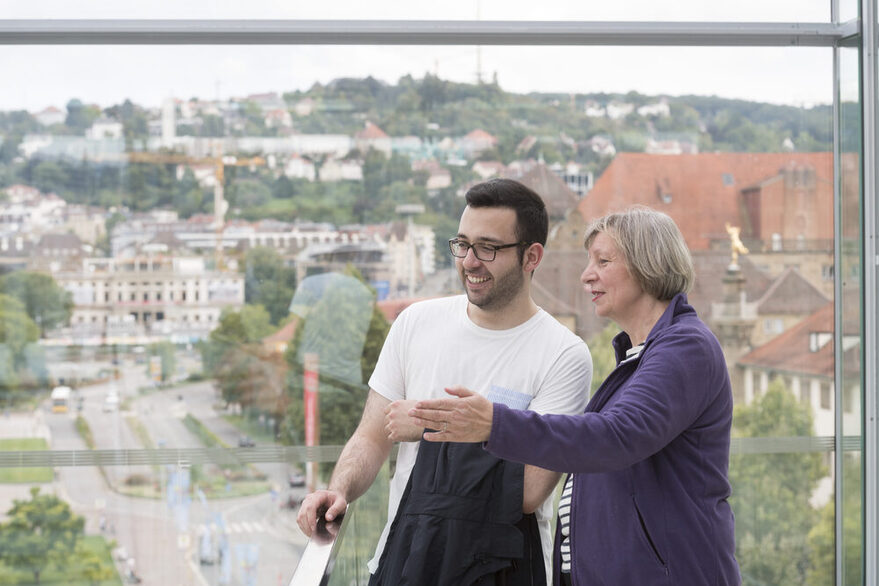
[{"x": 565, "y": 502}]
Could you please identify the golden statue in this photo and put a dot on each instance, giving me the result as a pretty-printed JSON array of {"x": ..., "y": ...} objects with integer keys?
[{"x": 735, "y": 244}]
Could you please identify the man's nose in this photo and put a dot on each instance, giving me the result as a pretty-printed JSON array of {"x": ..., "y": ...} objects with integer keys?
[{"x": 470, "y": 259}]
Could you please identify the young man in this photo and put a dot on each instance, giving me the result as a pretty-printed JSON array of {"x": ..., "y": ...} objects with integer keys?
[{"x": 494, "y": 340}]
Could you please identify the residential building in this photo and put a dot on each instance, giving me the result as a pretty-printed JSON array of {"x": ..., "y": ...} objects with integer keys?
[
  {"x": 372, "y": 137},
  {"x": 50, "y": 116},
  {"x": 334, "y": 169}
]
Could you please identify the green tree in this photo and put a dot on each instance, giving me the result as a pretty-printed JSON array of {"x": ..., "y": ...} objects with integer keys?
[
  {"x": 771, "y": 491},
  {"x": 603, "y": 357},
  {"x": 40, "y": 532},
  {"x": 268, "y": 282},
  {"x": 340, "y": 401},
  {"x": 822, "y": 537},
  {"x": 45, "y": 302},
  {"x": 234, "y": 356},
  {"x": 17, "y": 330},
  {"x": 93, "y": 567},
  {"x": 168, "y": 355},
  {"x": 248, "y": 325}
]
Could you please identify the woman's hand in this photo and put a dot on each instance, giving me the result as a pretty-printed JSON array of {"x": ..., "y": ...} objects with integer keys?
[{"x": 465, "y": 418}]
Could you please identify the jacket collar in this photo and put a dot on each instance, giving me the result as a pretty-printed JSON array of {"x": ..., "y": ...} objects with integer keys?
[{"x": 677, "y": 307}]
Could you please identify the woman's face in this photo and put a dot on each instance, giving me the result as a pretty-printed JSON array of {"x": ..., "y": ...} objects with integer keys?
[{"x": 615, "y": 293}]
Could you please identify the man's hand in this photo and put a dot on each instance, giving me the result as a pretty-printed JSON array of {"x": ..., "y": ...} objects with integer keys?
[
  {"x": 398, "y": 425},
  {"x": 327, "y": 503}
]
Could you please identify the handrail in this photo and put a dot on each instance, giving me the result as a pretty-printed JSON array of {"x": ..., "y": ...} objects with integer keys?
[{"x": 316, "y": 564}]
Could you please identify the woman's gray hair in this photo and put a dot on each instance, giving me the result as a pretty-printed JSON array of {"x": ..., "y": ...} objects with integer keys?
[{"x": 653, "y": 247}]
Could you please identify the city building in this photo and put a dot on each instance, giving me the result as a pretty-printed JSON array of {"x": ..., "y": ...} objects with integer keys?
[{"x": 160, "y": 297}]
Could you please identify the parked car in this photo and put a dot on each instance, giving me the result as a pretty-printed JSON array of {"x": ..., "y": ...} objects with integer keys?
[
  {"x": 296, "y": 479},
  {"x": 245, "y": 442}
]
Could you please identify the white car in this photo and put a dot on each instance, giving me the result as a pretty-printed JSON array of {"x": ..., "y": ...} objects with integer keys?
[{"x": 111, "y": 403}]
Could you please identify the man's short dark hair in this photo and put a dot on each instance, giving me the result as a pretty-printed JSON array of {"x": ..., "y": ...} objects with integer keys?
[{"x": 532, "y": 223}]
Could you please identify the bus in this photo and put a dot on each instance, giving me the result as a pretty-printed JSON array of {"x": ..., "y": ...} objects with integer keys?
[{"x": 61, "y": 399}]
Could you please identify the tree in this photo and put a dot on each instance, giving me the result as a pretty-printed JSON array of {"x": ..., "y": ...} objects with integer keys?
[
  {"x": 822, "y": 537},
  {"x": 603, "y": 357},
  {"x": 40, "y": 532},
  {"x": 248, "y": 325},
  {"x": 233, "y": 352},
  {"x": 45, "y": 302},
  {"x": 341, "y": 397},
  {"x": 168, "y": 355},
  {"x": 771, "y": 491},
  {"x": 93, "y": 568},
  {"x": 17, "y": 330},
  {"x": 268, "y": 282}
]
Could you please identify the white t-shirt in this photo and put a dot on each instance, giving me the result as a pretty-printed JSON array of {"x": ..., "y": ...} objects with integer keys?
[{"x": 539, "y": 365}]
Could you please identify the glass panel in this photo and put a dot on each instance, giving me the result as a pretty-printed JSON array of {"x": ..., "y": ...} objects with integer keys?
[
  {"x": 849, "y": 225},
  {"x": 775, "y": 75},
  {"x": 848, "y": 10},
  {"x": 629, "y": 10},
  {"x": 188, "y": 368}
]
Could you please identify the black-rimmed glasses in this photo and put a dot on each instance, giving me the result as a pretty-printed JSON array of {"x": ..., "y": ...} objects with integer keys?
[{"x": 484, "y": 252}]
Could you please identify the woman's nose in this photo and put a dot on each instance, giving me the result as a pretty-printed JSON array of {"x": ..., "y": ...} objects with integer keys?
[{"x": 587, "y": 275}]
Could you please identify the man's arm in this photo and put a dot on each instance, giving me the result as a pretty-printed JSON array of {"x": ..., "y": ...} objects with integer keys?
[
  {"x": 356, "y": 469},
  {"x": 539, "y": 484}
]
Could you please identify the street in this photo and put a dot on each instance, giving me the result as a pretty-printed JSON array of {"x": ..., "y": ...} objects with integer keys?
[{"x": 172, "y": 537}]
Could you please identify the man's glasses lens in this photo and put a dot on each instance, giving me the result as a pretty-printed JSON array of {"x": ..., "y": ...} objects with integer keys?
[{"x": 484, "y": 252}]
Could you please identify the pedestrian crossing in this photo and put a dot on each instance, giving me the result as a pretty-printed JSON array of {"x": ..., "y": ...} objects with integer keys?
[{"x": 232, "y": 528}]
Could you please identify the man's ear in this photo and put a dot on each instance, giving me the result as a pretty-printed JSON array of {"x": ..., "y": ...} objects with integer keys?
[{"x": 532, "y": 257}]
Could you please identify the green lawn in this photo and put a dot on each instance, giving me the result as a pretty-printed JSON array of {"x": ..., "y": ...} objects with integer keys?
[{"x": 24, "y": 475}]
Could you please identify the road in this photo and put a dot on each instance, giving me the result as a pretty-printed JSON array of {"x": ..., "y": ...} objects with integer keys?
[{"x": 251, "y": 540}]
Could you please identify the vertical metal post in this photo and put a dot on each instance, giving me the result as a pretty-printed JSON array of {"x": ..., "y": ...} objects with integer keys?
[{"x": 870, "y": 350}]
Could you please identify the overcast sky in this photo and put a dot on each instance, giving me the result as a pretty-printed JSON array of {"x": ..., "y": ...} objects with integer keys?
[{"x": 34, "y": 77}]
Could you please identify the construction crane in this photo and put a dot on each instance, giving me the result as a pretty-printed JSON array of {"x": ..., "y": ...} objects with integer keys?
[{"x": 219, "y": 162}]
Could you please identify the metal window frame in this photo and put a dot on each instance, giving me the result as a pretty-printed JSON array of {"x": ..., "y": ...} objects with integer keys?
[
  {"x": 419, "y": 32},
  {"x": 869, "y": 284},
  {"x": 573, "y": 33}
]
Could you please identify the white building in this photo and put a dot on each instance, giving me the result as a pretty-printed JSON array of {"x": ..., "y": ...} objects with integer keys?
[
  {"x": 50, "y": 116},
  {"x": 298, "y": 168},
  {"x": 104, "y": 128},
  {"x": 341, "y": 170},
  {"x": 164, "y": 297}
]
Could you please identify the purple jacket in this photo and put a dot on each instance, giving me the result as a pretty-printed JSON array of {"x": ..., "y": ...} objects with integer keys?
[{"x": 650, "y": 458}]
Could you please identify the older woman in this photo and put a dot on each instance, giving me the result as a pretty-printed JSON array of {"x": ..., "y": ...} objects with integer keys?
[{"x": 646, "y": 498}]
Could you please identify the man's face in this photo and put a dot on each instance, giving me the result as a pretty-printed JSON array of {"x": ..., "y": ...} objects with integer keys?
[{"x": 494, "y": 284}]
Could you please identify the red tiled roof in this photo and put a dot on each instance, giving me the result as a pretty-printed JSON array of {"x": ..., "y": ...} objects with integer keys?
[
  {"x": 790, "y": 352},
  {"x": 480, "y": 135},
  {"x": 703, "y": 191},
  {"x": 371, "y": 132}
]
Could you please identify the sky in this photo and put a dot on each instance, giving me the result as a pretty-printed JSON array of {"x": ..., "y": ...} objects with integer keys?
[{"x": 35, "y": 77}]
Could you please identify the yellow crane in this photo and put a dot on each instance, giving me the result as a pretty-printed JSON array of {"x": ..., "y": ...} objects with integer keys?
[{"x": 220, "y": 162}]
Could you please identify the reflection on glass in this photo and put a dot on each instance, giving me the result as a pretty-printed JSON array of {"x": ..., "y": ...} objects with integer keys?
[
  {"x": 849, "y": 226},
  {"x": 628, "y": 10},
  {"x": 176, "y": 262}
]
